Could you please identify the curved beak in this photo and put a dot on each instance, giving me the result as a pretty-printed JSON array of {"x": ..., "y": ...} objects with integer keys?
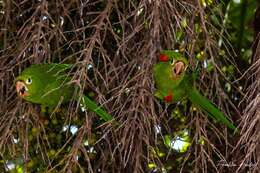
[
  {"x": 21, "y": 89},
  {"x": 178, "y": 68}
]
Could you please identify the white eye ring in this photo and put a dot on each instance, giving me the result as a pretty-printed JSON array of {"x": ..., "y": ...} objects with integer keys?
[
  {"x": 173, "y": 62},
  {"x": 28, "y": 81}
]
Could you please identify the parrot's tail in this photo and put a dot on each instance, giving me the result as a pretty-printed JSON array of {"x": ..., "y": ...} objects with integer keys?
[
  {"x": 89, "y": 104},
  {"x": 202, "y": 102}
]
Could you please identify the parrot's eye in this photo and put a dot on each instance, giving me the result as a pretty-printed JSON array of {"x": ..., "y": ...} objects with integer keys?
[{"x": 28, "y": 81}]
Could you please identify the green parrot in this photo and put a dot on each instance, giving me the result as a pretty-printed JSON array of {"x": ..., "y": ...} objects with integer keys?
[
  {"x": 174, "y": 84},
  {"x": 50, "y": 85}
]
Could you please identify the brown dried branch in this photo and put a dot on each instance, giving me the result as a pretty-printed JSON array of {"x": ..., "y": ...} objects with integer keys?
[{"x": 119, "y": 42}]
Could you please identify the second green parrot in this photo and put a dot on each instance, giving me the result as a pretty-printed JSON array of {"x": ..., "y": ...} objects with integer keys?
[
  {"x": 50, "y": 85},
  {"x": 173, "y": 84}
]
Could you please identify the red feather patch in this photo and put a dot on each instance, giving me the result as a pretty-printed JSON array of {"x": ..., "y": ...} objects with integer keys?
[
  {"x": 163, "y": 58},
  {"x": 168, "y": 98}
]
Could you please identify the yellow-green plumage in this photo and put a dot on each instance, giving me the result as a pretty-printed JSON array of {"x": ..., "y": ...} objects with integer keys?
[{"x": 50, "y": 85}]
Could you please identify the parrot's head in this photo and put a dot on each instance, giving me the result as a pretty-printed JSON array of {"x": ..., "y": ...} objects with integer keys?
[
  {"x": 176, "y": 60},
  {"x": 27, "y": 84}
]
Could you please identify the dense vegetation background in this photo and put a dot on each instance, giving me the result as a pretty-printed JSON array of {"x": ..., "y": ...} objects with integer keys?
[{"x": 114, "y": 45}]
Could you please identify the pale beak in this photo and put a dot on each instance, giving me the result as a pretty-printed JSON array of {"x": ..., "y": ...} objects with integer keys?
[
  {"x": 178, "y": 68},
  {"x": 21, "y": 89}
]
